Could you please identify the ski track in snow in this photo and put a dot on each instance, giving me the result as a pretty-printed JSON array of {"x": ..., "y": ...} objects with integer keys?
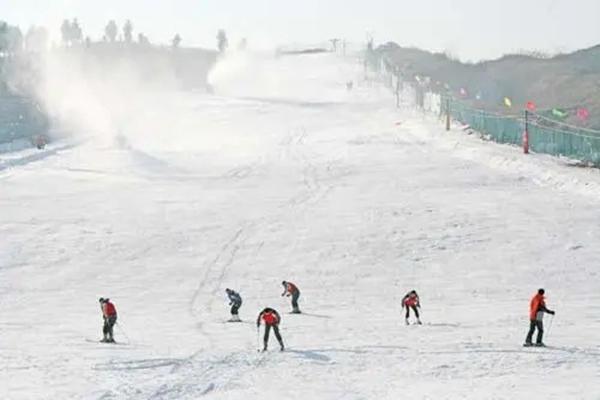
[{"x": 320, "y": 186}]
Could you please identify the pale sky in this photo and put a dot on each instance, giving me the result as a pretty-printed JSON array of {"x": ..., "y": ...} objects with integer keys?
[{"x": 470, "y": 29}]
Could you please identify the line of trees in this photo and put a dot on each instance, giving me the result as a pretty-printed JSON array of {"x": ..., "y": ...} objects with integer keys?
[
  {"x": 12, "y": 40},
  {"x": 72, "y": 34}
]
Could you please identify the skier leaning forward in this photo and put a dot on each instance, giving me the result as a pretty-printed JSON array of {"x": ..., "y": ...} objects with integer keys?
[
  {"x": 289, "y": 289},
  {"x": 109, "y": 313},
  {"x": 235, "y": 301},
  {"x": 271, "y": 319},
  {"x": 411, "y": 301},
  {"x": 537, "y": 308}
]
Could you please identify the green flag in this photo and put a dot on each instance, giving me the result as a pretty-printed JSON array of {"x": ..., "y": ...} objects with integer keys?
[{"x": 560, "y": 114}]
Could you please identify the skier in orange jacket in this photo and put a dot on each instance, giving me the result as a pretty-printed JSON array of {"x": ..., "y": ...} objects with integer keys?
[{"x": 537, "y": 309}]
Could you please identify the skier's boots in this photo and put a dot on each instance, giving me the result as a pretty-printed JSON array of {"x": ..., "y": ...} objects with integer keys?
[
  {"x": 419, "y": 321},
  {"x": 406, "y": 321},
  {"x": 296, "y": 311}
]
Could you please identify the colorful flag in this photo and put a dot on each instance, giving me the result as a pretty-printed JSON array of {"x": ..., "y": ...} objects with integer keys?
[
  {"x": 531, "y": 106},
  {"x": 560, "y": 114},
  {"x": 507, "y": 102}
]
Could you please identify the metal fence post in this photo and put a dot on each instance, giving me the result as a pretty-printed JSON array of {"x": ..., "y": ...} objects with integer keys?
[
  {"x": 526, "y": 133},
  {"x": 448, "y": 113}
]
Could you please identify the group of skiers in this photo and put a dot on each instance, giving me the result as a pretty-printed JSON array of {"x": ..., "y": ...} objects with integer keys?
[
  {"x": 268, "y": 316},
  {"x": 537, "y": 309},
  {"x": 271, "y": 318}
]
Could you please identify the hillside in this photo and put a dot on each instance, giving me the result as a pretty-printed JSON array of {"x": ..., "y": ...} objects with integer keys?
[{"x": 563, "y": 81}]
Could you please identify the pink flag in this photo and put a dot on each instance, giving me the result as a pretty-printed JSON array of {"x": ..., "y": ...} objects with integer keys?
[
  {"x": 531, "y": 106},
  {"x": 583, "y": 114}
]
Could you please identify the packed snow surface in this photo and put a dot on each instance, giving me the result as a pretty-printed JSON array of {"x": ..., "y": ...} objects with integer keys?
[{"x": 284, "y": 174}]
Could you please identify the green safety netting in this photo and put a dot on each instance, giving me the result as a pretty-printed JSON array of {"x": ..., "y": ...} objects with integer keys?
[
  {"x": 19, "y": 119},
  {"x": 557, "y": 139}
]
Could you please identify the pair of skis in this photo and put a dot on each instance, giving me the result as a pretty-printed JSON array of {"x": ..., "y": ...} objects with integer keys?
[{"x": 102, "y": 341}]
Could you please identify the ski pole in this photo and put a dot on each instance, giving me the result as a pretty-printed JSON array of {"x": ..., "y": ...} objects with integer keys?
[
  {"x": 258, "y": 338},
  {"x": 549, "y": 326},
  {"x": 123, "y": 332}
]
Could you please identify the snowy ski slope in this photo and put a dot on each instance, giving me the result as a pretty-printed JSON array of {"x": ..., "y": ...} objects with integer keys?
[{"x": 286, "y": 175}]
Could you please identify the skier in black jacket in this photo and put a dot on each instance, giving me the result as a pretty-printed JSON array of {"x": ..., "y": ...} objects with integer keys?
[{"x": 235, "y": 301}]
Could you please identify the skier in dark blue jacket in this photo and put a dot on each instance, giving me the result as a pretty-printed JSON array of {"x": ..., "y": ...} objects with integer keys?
[{"x": 235, "y": 301}]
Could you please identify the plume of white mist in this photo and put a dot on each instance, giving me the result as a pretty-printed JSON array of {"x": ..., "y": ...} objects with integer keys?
[
  {"x": 101, "y": 97},
  {"x": 71, "y": 98},
  {"x": 308, "y": 78}
]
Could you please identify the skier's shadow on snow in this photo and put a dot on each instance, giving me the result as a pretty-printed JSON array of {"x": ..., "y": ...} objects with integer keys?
[
  {"x": 442, "y": 325},
  {"x": 312, "y": 355},
  {"x": 319, "y": 356},
  {"x": 137, "y": 364},
  {"x": 316, "y": 315}
]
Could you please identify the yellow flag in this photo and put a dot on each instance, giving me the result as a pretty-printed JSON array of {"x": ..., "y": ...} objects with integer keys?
[{"x": 507, "y": 102}]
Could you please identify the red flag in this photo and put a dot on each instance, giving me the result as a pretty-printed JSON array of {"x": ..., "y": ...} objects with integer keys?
[
  {"x": 583, "y": 114},
  {"x": 531, "y": 106}
]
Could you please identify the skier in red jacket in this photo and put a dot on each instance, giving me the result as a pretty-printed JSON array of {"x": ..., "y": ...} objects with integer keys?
[
  {"x": 411, "y": 300},
  {"x": 289, "y": 289},
  {"x": 537, "y": 308},
  {"x": 271, "y": 319},
  {"x": 109, "y": 313}
]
